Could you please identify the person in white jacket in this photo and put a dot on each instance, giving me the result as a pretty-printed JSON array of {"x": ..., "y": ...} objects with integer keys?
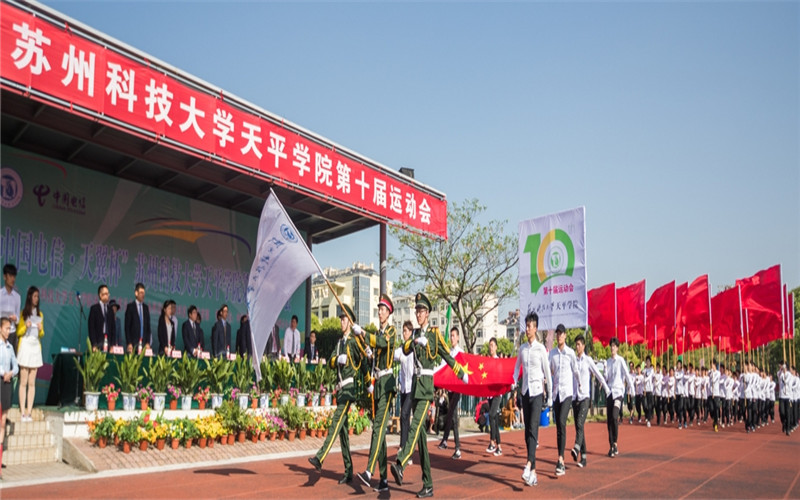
[{"x": 618, "y": 378}]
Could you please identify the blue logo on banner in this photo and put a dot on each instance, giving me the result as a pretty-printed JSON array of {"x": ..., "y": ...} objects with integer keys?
[{"x": 288, "y": 233}]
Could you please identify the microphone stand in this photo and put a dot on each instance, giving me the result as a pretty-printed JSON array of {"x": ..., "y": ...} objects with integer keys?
[{"x": 81, "y": 320}]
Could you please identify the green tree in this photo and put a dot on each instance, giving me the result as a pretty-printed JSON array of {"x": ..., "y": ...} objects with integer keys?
[{"x": 469, "y": 270}]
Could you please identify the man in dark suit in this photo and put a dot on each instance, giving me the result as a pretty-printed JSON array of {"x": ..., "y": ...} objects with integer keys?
[
  {"x": 192, "y": 335},
  {"x": 119, "y": 333},
  {"x": 137, "y": 321},
  {"x": 221, "y": 334},
  {"x": 310, "y": 350},
  {"x": 102, "y": 325},
  {"x": 273, "y": 349},
  {"x": 244, "y": 343}
]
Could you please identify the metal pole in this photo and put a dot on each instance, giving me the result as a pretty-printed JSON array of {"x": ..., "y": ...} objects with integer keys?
[{"x": 383, "y": 257}]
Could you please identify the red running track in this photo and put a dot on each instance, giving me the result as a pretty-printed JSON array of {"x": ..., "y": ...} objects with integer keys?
[{"x": 659, "y": 462}]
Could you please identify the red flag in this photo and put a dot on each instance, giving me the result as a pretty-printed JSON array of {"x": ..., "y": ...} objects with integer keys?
[
  {"x": 679, "y": 340},
  {"x": 761, "y": 298},
  {"x": 602, "y": 313},
  {"x": 488, "y": 377},
  {"x": 697, "y": 313},
  {"x": 791, "y": 315},
  {"x": 661, "y": 315},
  {"x": 726, "y": 314},
  {"x": 630, "y": 313}
]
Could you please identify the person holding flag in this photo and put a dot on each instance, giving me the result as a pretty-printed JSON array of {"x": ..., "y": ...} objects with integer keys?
[
  {"x": 427, "y": 344},
  {"x": 347, "y": 358},
  {"x": 383, "y": 389},
  {"x": 451, "y": 420}
]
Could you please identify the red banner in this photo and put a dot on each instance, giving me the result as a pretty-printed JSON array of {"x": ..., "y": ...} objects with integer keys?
[
  {"x": 761, "y": 298},
  {"x": 602, "y": 313},
  {"x": 697, "y": 313},
  {"x": 679, "y": 342},
  {"x": 790, "y": 299},
  {"x": 488, "y": 377},
  {"x": 60, "y": 62},
  {"x": 661, "y": 316},
  {"x": 630, "y": 313},
  {"x": 726, "y": 314}
]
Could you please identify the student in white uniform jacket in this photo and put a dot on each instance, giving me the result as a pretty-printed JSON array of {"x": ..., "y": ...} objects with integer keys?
[
  {"x": 582, "y": 394},
  {"x": 617, "y": 378}
]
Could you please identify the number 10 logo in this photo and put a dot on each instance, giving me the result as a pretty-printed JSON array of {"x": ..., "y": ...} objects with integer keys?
[{"x": 550, "y": 257}]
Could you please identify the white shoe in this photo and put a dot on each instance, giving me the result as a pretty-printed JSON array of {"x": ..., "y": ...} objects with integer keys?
[
  {"x": 532, "y": 480},
  {"x": 526, "y": 474},
  {"x": 490, "y": 449},
  {"x": 648, "y": 423}
]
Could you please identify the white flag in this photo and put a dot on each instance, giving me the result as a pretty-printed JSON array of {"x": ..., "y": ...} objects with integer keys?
[{"x": 282, "y": 263}]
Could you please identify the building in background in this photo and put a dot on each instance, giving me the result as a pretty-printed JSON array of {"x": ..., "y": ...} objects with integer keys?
[
  {"x": 511, "y": 325},
  {"x": 358, "y": 286}
]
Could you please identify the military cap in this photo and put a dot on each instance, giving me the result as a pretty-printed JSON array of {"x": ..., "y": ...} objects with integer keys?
[
  {"x": 387, "y": 302},
  {"x": 422, "y": 301},
  {"x": 347, "y": 311}
]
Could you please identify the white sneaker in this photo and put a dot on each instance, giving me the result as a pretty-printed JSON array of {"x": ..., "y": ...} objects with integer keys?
[
  {"x": 648, "y": 423},
  {"x": 532, "y": 480},
  {"x": 490, "y": 449},
  {"x": 526, "y": 474}
]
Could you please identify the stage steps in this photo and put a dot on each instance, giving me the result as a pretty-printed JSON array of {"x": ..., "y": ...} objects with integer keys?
[{"x": 31, "y": 442}]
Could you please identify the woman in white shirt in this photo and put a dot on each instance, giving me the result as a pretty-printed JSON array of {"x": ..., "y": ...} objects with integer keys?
[
  {"x": 533, "y": 372},
  {"x": 29, "y": 351}
]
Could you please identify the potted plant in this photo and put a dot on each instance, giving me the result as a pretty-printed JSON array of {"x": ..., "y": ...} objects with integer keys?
[
  {"x": 175, "y": 394},
  {"x": 301, "y": 378},
  {"x": 128, "y": 378},
  {"x": 111, "y": 393},
  {"x": 266, "y": 383},
  {"x": 94, "y": 367},
  {"x": 160, "y": 371},
  {"x": 243, "y": 379},
  {"x": 284, "y": 375},
  {"x": 176, "y": 433},
  {"x": 217, "y": 373},
  {"x": 201, "y": 396},
  {"x": 190, "y": 432},
  {"x": 144, "y": 394},
  {"x": 255, "y": 396},
  {"x": 103, "y": 431},
  {"x": 187, "y": 376},
  {"x": 128, "y": 434},
  {"x": 161, "y": 428}
]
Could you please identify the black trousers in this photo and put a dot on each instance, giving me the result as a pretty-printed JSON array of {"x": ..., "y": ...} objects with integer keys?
[
  {"x": 579, "y": 411},
  {"x": 451, "y": 420},
  {"x": 715, "y": 401},
  {"x": 680, "y": 411},
  {"x": 613, "y": 409},
  {"x": 531, "y": 412},
  {"x": 494, "y": 419},
  {"x": 406, "y": 401},
  {"x": 648, "y": 405},
  {"x": 783, "y": 413},
  {"x": 561, "y": 411},
  {"x": 639, "y": 401}
]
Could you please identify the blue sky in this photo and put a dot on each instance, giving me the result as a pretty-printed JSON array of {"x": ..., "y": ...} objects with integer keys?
[{"x": 676, "y": 124}]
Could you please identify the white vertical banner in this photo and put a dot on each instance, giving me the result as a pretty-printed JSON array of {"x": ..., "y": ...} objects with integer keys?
[{"x": 552, "y": 269}]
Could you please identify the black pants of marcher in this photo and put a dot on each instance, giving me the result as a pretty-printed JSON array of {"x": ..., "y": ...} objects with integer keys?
[
  {"x": 561, "y": 411},
  {"x": 639, "y": 401},
  {"x": 494, "y": 419},
  {"x": 771, "y": 409},
  {"x": 451, "y": 420},
  {"x": 406, "y": 401},
  {"x": 679, "y": 410},
  {"x": 783, "y": 413},
  {"x": 715, "y": 403},
  {"x": 648, "y": 405},
  {"x": 579, "y": 411},
  {"x": 531, "y": 412},
  {"x": 659, "y": 407},
  {"x": 613, "y": 409}
]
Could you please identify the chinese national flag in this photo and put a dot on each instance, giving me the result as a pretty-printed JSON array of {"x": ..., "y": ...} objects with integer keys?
[
  {"x": 630, "y": 313},
  {"x": 602, "y": 313},
  {"x": 726, "y": 314},
  {"x": 697, "y": 313},
  {"x": 488, "y": 377},
  {"x": 661, "y": 315},
  {"x": 761, "y": 298},
  {"x": 678, "y": 340}
]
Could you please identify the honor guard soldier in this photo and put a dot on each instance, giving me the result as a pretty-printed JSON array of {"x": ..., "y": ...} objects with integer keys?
[
  {"x": 347, "y": 359},
  {"x": 383, "y": 389},
  {"x": 427, "y": 344}
]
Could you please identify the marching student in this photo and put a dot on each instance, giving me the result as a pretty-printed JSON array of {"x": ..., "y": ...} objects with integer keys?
[
  {"x": 658, "y": 381},
  {"x": 638, "y": 382},
  {"x": 771, "y": 398},
  {"x": 617, "y": 378},
  {"x": 680, "y": 395},
  {"x": 451, "y": 420},
  {"x": 716, "y": 400},
  {"x": 405, "y": 382},
  {"x": 533, "y": 374},
  {"x": 564, "y": 368},
  {"x": 691, "y": 381},
  {"x": 784, "y": 406},
  {"x": 669, "y": 394},
  {"x": 582, "y": 392},
  {"x": 494, "y": 411},
  {"x": 649, "y": 380},
  {"x": 631, "y": 399}
]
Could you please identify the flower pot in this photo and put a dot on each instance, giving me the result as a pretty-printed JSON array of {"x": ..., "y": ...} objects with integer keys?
[
  {"x": 254, "y": 403},
  {"x": 175, "y": 443},
  {"x": 92, "y": 400},
  {"x": 350, "y": 431},
  {"x": 173, "y": 404},
  {"x": 262, "y": 436},
  {"x": 186, "y": 403},
  {"x": 333, "y": 401},
  {"x": 188, "y": 443},
  {"x": 244, "y": 399},
  {"x": 143, "y": 404},
  {"x": 263, "y": 401},
  {"x": 241, "y": 436},
  {"x": 254, "y": 437},
  {"x": 92, "y": 440},
  {"x": 116, "y": 440},
  {"x": 291, "y": 434},
  {"x": 202, "y": 442},
  {"x": 274, "y": 402},
  {"x": 102, "y": 442},
  {"x": 284, "y": 399},
  {"x": 159, "y": 399},
  {"x": 273, "y": 435},
  {"x": 112, "y": 404},
  {"x": 312, "y": 433},
  {"x": 126, "y": 447},
  {"x": 328, "y": 399},
  {"x": 201, "y": 404},
  {"x": 301, "y": 434},
  {"x": 143, "y": 445},
  {"x": 160, "y": 443},
  {"x": 216, "y": 401},
  {"x": 210, "y": 442},
  {"x": 128, "y": 401},
  {"x": 281, "y": 434},
  {"x": 301, "y": 400},
  {"x": 231, "y": 439}
]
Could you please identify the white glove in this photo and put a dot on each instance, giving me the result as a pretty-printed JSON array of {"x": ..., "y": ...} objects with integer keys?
[
  {"x": 465, "y": 378},
  {"x": 371, "y": 388},
  {"x": 369, "y": 352},
  {"x": 608, "y": 392},
  {"x": 513, "y": 386},
  {"x": 357, "y": 329},
  {"x": 397, "y": 353},
  {"x": 549, "y": 403},
  {"x": 342, "y": 359},
  {"x": 422, "y": 340}
]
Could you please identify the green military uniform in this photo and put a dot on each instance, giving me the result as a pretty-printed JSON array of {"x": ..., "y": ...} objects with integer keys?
[
  {"x": 383, "y": 344},
  {"x": 351, "y": 346},
  {"x": 422, "y": 390}
]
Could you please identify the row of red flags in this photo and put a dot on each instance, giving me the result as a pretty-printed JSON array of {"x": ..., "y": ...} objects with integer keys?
[{"x": 754, "y": 312}]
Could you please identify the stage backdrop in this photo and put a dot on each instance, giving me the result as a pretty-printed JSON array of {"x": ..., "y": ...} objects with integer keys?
[
  {"x": 552, "y": 269},
  {"x": 69, "y": 229}
]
